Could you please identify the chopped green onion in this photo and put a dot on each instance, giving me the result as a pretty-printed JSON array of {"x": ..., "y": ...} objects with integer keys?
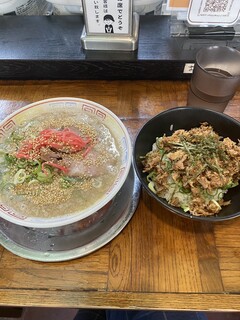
[
  {"x": 151, "y": 186},
  {"x": 10, "y": 159},
  {"x": 97, "y": 183},
  {"x": 19, "y": 176},
  {"x": 45, "y": 178}
]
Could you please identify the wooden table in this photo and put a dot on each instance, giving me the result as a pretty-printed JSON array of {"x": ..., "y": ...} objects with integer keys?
[{"x": 160, "y": 260}]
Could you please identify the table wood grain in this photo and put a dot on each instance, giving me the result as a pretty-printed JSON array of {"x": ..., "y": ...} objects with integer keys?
[{"x": 160, "y": 260}]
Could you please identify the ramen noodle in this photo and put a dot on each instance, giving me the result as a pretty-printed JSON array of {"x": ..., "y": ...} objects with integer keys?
[{"x": 57, "y": 164}]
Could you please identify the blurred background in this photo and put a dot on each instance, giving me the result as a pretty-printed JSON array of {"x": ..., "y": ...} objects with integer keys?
[{"x": 67, "y": 7}]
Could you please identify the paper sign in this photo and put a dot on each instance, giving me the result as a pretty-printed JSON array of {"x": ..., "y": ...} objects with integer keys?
[
  {"x": 177, "y": 4},
  {"x": 213, "y": 12},
  {"x": 108, "y": 16}
]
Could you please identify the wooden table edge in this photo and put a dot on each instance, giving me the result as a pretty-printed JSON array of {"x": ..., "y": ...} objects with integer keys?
[{"x": 126, "y": 300}]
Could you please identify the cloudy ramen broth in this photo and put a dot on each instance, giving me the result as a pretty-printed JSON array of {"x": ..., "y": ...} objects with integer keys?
[{"x": 57, "y": 164}]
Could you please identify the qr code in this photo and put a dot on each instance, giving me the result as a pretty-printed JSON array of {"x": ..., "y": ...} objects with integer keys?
[{"x": 215, "y": 6}]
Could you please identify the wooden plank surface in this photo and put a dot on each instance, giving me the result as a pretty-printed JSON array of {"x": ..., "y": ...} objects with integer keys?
[{"x": 159, "y": 260}]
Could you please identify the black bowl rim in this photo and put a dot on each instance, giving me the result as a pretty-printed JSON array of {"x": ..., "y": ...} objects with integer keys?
[{"x": 162, "y": 201}]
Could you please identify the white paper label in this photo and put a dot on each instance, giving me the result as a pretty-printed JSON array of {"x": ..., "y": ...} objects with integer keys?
[
  {"x": 213, "y": 12},
  {"x": 108, "y": 16},
  {"x": 188, "y": 67}
]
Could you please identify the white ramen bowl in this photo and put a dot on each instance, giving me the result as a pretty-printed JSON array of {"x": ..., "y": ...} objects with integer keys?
[{"x": 56, "y": 105}]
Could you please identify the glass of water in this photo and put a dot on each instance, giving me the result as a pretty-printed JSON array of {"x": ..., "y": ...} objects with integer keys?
[{"x": 216, "y": 77}]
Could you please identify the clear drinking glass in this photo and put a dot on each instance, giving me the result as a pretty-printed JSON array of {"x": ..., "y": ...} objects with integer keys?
[{"x": 215, "y": 79}]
